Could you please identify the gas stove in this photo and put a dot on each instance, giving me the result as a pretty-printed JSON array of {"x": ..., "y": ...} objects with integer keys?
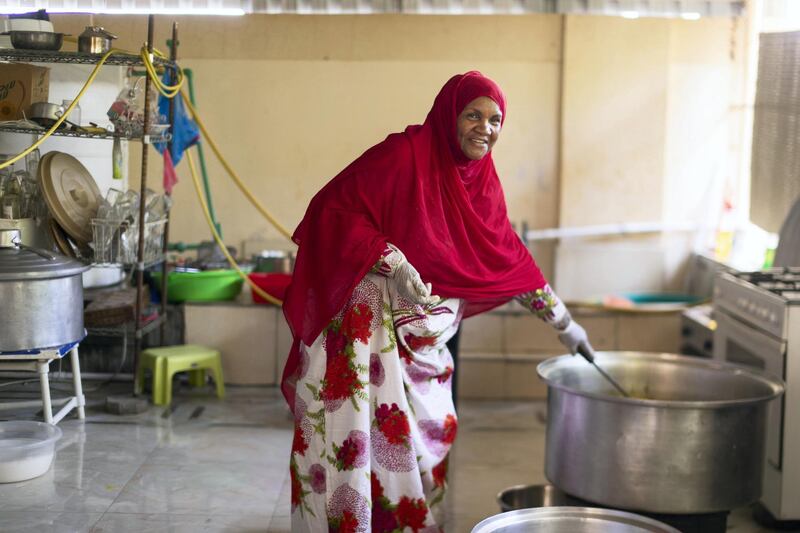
[
  {"x": 758, "y": 325},
  {"x": 783, "y": 282}
]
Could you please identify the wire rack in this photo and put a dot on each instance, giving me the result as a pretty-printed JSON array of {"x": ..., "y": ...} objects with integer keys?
[
  {"x": 84, "y": 58},
  {"x": 83, "y": 134}
]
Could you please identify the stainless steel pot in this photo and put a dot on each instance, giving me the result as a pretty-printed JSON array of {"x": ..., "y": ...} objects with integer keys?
[
  {"x": 95, "y": 40},
  {"x": 571, "y": 520},
  {"x": 41, "y": 296},
  {"x": 690, "y": 439},
  {"x": 46, "y": 114},
  {"x": 36, "y": 40},
  {"x": 274, "y": 261}
]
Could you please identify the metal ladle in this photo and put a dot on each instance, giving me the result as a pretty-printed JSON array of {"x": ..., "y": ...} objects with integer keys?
[{"x": 589, "y": 356}]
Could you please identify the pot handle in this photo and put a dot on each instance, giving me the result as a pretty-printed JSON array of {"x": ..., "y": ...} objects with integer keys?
[
  {"x": 41, "y": 253},
  {"x": 10, "y": 238}
]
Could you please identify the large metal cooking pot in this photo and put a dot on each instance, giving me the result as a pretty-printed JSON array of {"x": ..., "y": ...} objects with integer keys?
[
  {"x": 41, "y": 296},
  {"x": 689, "y": 440},
  {"x": 571, "y": 520}
]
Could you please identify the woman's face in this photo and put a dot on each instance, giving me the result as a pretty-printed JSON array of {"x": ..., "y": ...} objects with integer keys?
[{"x": 478, "y": 127}]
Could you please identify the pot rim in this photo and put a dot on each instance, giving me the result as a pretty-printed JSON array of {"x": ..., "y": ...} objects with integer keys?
[
  {"x": 773, "y": 382},
  {"x": 510, "y": 518}
]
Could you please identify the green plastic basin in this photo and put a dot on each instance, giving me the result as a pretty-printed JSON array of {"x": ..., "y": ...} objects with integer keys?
[{"x": 205, "y": 286}]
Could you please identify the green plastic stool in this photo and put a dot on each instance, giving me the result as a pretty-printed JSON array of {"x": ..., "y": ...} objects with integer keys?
[{"x": 166, "y": 361}]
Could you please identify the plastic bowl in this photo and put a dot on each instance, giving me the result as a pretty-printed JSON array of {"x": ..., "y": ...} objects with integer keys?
[
  {"x": 26, "y": 449},
  {"x": 205, "y": 286},
  {"x": 274, "y": 284}
]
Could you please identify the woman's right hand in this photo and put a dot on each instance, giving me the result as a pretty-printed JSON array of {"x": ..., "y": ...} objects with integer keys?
[{"x": 408, "y": 281}]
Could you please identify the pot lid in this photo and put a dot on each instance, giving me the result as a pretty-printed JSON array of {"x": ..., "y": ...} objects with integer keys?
[
  {"x": 97, "y": 31},
  {"x": 20, "y": 262},
  {"x": 71, "y": 194}
]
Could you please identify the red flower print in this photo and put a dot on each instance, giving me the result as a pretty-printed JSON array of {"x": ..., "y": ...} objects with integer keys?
[
  {"x": 353, "y": 451},
  {"x": 341, "y": 379},
  {"x": 404, "y": 354},
  {"x": 450, "y": 429},
  {"x": 415, "y": 343},
  {"x": 377, "y": 488},
  {"x": 299, "y": 444},
  {"x": 393, "y": 423},
  {"x": 297, "y": 488},
  {"x": 383, "y": 519},
  {"x": 411, "y": 513},
  {"x": 335, "y": 342},
  {"x": 356, "y": 321},
  {"x": 440, "y": 473},
  {"x": 348, "y": 523},
  {"x": 444, "y": 376}
]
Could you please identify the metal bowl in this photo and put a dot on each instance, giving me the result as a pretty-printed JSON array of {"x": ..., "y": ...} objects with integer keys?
[
  {"x": 530, "y": 496},
  {"x": 36, "y": 40},
  {"x": 571, "y": 520}
]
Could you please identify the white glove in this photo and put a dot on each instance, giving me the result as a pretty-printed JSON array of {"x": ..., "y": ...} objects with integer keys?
[
  {"x": 574, "y": 337},
  {"x": 409, "y": 282},
  {"x": 411, "y": 286}
]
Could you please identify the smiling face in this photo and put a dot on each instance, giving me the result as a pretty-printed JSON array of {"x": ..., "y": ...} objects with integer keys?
[{"x": 478, "y": 127}]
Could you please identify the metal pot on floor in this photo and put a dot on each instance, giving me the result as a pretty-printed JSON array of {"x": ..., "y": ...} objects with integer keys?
[
  {"x": 689, "y": 440},
  {"x": 41, "y": 294}
]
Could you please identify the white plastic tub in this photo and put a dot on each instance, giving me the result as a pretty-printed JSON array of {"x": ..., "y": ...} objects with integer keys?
[{"x": 26, "y": 449}]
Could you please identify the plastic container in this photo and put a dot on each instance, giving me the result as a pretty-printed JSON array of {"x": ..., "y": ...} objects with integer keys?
[
  {"x": 274, "y": 284},
  {"x": 27, "y": 449},
  {"x": 205, "y": 286}
]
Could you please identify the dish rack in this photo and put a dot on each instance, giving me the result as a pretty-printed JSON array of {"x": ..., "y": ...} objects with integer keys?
[{"x": 117, "y": 241}]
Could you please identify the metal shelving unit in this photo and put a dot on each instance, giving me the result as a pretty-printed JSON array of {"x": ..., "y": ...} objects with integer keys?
[
  {"x": 149, "y": 139},
  {"x": 137, "y": 328},
  {"x": 80, "y": 58}
]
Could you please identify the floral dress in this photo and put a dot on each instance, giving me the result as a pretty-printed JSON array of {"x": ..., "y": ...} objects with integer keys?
[{"x": 374, "y": 414}]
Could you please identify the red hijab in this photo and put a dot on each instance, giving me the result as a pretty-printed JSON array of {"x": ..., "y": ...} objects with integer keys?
[{"x": 418, "y": 191}]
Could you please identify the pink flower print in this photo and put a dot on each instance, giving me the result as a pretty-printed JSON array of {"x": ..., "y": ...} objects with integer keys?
[
  {"x": 317, "y": 474},
  {"x": 439, "y": 435},
  {"x": 376, "y": 372},
  {"x": 346, "y": 499}
]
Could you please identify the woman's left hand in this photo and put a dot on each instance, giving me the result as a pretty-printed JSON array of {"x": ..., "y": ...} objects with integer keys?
[{"x": 574, "y": 337}]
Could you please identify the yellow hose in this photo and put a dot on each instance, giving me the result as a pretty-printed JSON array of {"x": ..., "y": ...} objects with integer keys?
[
  {"x": 258, "y": 290},
  {"x": 169, "y": 91},
  {"x": 242, "y": 187}
]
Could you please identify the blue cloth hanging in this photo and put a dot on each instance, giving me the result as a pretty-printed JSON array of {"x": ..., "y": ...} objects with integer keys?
[{"x": 185, "y": 132}]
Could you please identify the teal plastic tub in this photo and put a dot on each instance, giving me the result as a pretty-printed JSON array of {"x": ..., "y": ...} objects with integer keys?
[{"x": 205, "y": 286}]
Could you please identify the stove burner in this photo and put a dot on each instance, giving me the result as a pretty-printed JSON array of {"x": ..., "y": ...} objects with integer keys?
[{"x": 785, "y": 282}]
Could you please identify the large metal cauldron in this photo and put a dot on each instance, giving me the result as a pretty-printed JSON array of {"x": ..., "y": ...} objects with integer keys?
[
  {"x": 690, "y": 439},
  {"x": 41, "y": 296},
  {"x": 570, "y": 520}
]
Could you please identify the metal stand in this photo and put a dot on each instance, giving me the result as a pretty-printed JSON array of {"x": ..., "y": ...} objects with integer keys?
[{"x": 39, "y": 361}]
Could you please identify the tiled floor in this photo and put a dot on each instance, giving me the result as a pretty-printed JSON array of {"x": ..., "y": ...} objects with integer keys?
[{"x": 211, "y": 466}]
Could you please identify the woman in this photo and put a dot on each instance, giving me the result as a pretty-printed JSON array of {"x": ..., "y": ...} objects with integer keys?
[{"x": 393, "y": 253}]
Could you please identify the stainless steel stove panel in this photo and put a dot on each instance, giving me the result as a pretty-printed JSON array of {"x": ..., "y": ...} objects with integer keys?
[{"x": 759, "y": 307}]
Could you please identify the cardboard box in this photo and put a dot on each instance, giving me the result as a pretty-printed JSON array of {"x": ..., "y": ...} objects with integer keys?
[{"x": 20, "y": 86}]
